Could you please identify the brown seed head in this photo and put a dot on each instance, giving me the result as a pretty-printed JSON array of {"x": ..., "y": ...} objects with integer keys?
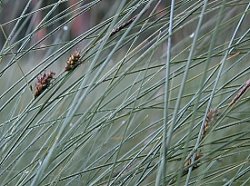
[
  {"x": 43, "y": 82},
  {"x": 73, "y": 61}
]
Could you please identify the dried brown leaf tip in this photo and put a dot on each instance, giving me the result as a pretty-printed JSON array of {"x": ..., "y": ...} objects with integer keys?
[
  {"x": 43, "y": 82},
  {"x": 240, "y": 92},
  {"x": 233, "y": 55},
  {"x": 73, "y": 61}
]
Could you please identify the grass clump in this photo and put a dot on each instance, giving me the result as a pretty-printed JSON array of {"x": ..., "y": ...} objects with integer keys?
[{"x": 148, "y": 94}]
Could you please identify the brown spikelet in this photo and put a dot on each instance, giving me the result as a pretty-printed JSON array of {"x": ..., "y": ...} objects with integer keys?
[
  {"x": 43, "y": 81},
  {"x": 210, "y": 117},
  {"x": 188, "y": 163},
  {"x": 73, "y": 61},
  {"x": 240, "y": 92},
  {"x": 120, "y": 27}
]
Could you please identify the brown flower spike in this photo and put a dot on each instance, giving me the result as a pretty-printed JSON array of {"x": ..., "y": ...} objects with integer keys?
[
  {"x": 245, "y": 87},
  {"x": 120, "y": 27},
  {"x": 73, "y": 61},
  {"x": 188, "y": 162},
  {"x": 43, "y": 82},
  {"x": 210, "y": 117}
]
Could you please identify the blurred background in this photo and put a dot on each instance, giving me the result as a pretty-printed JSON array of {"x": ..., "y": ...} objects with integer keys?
[{"x": 30, "y": 15}]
